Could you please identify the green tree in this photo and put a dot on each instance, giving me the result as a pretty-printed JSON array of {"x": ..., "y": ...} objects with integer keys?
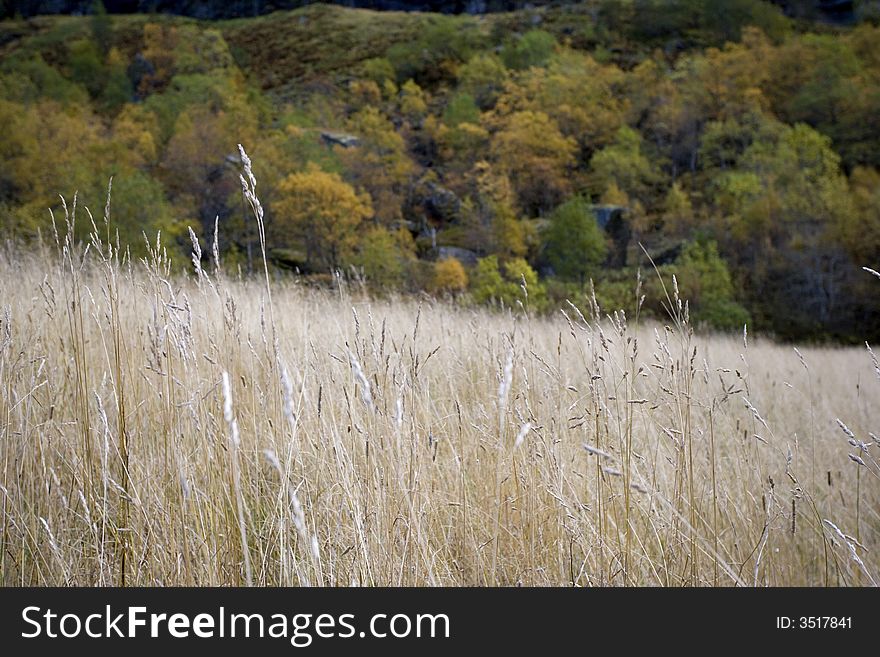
[
  {"x": 461, "y": 109},
  {"x": 493, "y": 281},
  {"x": 139, "y": 207},
  {"x": 379, "y": 70},
  {"x": 86, "y": 66},
  {"x": 486, "y": 282},
  {"x": 623, "y": 163},
  {"x": 102, "y": 27},
  {"x": 443, "y": 44},
  {"x": 32, "y": 80},
  {"x": 483, "y": 78},
  {"x": 383, "y": 256},
  {"x": 533, "y": 48},
  {"x": 782, "y": 209},
  {"x": 118, "y": 89},
  {"x": 574, "y": 244},
  {"x": 705, "y": 282}
]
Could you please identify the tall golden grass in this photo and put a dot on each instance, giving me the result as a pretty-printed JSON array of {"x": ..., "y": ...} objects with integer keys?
[{"x": 160, "y": 429}]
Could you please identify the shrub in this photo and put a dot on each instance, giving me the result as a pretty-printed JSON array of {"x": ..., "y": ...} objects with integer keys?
[
  {"x": 495, "y": 282},
  {"x": 461, "y": 109},
  {"x": 449, "y": 276},
  {"x": 704, "y": 281},
  {"x": 534, "y": 48},
  {"x": 383, "y": 255}
]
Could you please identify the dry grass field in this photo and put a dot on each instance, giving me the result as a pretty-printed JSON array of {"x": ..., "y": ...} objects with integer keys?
[{"x": 160, "y": 429}]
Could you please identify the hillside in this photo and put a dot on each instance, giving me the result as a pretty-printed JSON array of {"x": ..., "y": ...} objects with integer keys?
[
  {"x": 831, "y": 10},
  {"x": 463, "y": 155}
]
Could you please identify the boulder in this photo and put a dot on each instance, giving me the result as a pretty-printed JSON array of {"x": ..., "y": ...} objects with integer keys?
[
  {"x": 340, "y": 139},
  {"x": 441, "y": 203},
  {"x": 614, "y": 221},
  {"x": 464, "y": 256}
]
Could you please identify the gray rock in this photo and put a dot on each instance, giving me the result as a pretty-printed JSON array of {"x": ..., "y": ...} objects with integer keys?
[
  {"x": 614, "y": 221},
  {"x": 605, "y": 213},
  {"x": 464, "y": 256},
  {"x": 442, "y": 203},
  {"x": 340, "y": 139}
]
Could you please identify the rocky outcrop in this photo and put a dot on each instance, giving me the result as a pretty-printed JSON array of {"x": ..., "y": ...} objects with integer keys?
[
  {"x": 464, "y": 256},
  {"x": 339, "y": 139},
  {"x": 441, "y": 204},
  {"x": 615, "y": 222}
]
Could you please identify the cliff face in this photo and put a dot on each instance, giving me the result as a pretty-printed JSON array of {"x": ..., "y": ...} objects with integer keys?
[{"x": 218, "y": 9}]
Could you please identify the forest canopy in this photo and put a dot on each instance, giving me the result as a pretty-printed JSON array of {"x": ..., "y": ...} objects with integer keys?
[{"x": 519, "y": 158}]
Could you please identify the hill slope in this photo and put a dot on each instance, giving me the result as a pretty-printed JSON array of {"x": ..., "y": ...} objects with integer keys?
[{"x": 739, "y": 147}]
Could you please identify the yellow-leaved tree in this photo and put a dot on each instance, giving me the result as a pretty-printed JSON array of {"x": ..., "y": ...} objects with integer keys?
[
  {"x": 379, "y": 164},
  {"x": 533, "y": 153},
  {"x": 449, "y": 276},
  {"x": 322, "y": 212}
]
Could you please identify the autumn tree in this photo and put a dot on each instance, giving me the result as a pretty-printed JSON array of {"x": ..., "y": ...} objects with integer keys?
[
  {"x": 323, "y": 213},
  {"x": 136, "y": 132},
  {"x": 449, "y": 276},
  {"x": 30, "y": 180},
  {"x": 531, "y": 150},
  {"x": 727, "y": 82},
  {"x": 678, "y": 211},
  {"x": 860, "y": 231},
  {"x": 459, "y": 146},
  {"x": 379, "y": 163},
  {"x": 413, "y": 102},
  {"x": 667, "y": 119},
  {"x": 782, "y": 207},
  {"x": 483, "y": 77},
  {"x": 364, "y": 93},
  {"x": 624, "y": 164},
  {"x": 491, "y": 219},
  {"x": 197, "y": 175},
  {"x": 160, "y": 42},
  {"x": 582, "y": 96}
]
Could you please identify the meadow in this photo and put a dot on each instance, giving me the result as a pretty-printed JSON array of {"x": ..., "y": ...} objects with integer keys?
[{"x": 162, "y": 428}]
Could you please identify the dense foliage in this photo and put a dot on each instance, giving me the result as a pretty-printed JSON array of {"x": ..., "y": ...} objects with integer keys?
[{"x": 509, "y": 159}]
